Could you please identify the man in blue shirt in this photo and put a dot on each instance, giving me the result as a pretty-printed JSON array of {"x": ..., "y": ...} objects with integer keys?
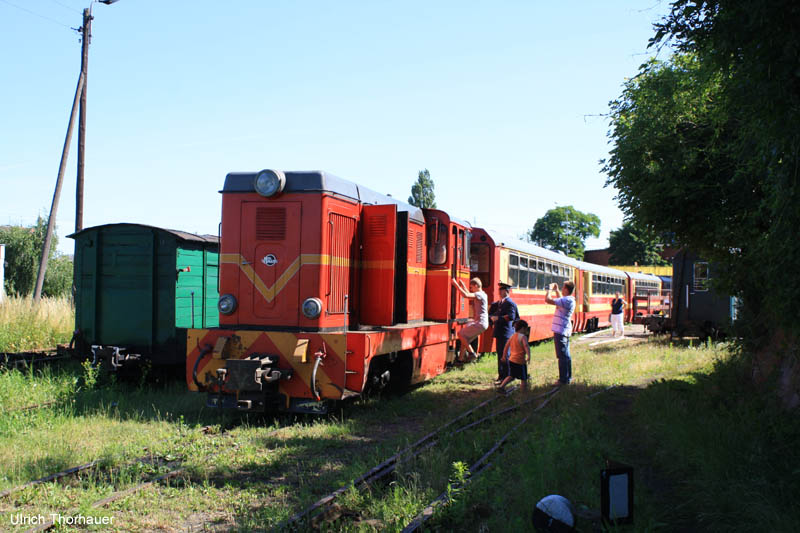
[
  {"x": 562, "y": 327},
  {"x": 503, "y": 313}
]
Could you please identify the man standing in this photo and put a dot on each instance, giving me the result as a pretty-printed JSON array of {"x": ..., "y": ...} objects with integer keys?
[
  {"x": 562, "y": 327},
  {"x": 504, "y": 313}
]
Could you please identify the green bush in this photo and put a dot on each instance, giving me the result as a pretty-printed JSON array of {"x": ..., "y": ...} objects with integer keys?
[{"x": 23, "y": 253}]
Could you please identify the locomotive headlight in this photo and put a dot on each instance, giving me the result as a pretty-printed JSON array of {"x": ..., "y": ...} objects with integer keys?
[
  {"x": 226, "y": 304},
  {"x": 269, "y": 182},
  {"x": 312, "y": 307}
]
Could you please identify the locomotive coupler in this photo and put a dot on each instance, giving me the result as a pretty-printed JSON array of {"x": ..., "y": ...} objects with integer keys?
[{"x": 252, "y": 373}]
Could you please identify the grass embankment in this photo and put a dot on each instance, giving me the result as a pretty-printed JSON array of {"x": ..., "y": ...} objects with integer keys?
[
  {"x": 708, "y": 454},
  {"x": 28, "y": 325}
]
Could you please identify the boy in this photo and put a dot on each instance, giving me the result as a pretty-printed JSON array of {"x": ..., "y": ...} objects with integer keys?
[{"x": 518, "y": 355}]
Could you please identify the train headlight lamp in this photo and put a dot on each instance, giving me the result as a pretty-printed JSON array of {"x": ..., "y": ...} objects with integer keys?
[
  {"x": 269, "y": 182},
  {"x": 312, "y": 308},
  {"x": 226, "y": 304}
]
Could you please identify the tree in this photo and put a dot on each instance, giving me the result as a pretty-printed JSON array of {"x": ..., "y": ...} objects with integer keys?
[
  {"x": 565, "y": 229},
  {"x": 631, "y": 244},
  {"x": 707, "y": 146},
  {"x": 23, "y": 253},
  {"x": 422, "y": 191}
]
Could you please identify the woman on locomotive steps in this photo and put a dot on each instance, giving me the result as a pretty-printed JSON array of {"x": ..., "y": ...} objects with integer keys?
[{"x": 480, "y": 315}]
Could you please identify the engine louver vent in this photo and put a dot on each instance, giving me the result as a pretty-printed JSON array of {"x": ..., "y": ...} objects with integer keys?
[
  {"x": 270, "y": 223},
  {"x": 419, "y": 247},
  {"x": 377, "y": 226}
]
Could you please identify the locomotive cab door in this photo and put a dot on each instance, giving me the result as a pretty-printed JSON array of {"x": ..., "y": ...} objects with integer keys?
[{"x": 378, "y": 264}]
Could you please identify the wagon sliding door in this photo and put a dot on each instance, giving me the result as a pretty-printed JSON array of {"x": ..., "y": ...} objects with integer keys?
[{"x": 379, "y": 234}]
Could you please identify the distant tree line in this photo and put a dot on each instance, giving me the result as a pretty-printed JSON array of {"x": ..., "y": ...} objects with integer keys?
[{"x": 23, "y": 254}]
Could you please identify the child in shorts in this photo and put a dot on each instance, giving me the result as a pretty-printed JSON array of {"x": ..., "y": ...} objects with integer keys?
[{"x": 517, "y": 355}]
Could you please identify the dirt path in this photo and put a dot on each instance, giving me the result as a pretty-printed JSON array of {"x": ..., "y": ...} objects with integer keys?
[{"x": 603, "y": 337}]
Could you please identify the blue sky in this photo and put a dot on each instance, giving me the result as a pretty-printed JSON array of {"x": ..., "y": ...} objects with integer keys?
[{"x": 502, "y": 101}]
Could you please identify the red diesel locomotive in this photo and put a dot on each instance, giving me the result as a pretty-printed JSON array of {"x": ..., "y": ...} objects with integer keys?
[{"x": 327, "y": 288}]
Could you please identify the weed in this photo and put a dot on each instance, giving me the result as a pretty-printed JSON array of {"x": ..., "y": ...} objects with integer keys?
[
  {"x": 90, "y": 374},
  {"x": 458, "y": 479}
]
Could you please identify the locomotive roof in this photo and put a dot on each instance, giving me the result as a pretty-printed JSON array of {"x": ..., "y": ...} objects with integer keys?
[
  {"x": 180, "y": 234},
  {"x": 320, "y": 181}
]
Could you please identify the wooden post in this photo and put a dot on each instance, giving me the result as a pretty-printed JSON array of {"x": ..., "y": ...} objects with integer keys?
[{"x": 51, "y": 221}]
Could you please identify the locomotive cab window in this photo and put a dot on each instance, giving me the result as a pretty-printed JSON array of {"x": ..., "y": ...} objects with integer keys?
[
  {"x": 467, "y": 247},
  {"x": 462, "y": 257},
  {"x": 437, "y": 243}
]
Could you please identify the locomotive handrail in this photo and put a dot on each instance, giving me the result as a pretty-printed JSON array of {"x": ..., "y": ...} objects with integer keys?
[{"x": 319, "y": 356}]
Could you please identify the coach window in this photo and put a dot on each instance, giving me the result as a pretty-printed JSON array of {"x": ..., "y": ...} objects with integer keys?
[
  {"x": 437, "y": 242},
  {"x": 523, "y": 272},
  {"x": 513, "y": 269}
]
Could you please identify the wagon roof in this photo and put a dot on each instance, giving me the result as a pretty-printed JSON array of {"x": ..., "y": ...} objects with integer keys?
[
  {"x": 183, "y": 235},
  {"x": 530, "y": 248},
  {"x": 643, "y": 276}
]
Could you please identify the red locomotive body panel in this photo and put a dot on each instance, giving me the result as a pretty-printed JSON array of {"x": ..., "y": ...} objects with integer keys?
[
  {"x": 415, "y": 285},
  {"x": 378, "y": 264}
]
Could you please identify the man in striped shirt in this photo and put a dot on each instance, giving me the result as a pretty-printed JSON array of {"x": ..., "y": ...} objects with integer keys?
[{"x": 562, "y": 327}]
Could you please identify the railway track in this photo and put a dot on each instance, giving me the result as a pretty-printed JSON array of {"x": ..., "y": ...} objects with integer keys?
[
  {"x": 478, "y": 466},
  {"x": 32, "y": 358},
  {"x": 85, "y": 467},
  {"x": 174, "y": 468},
  {"x": 32, "y": 407},
  {"x": 483, "y": 463},
  {"x": 323, "y": 505}
]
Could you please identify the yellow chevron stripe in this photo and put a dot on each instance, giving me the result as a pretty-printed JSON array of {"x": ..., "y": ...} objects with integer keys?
[{"x": 269, "y": 293}]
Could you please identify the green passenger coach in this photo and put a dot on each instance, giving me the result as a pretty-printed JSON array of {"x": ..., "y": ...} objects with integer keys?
[{"x": 138, "y": 288}]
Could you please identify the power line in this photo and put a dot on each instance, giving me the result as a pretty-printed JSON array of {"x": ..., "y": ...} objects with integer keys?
[
  {"x": 65, "y": 6},
  {"x": 54, "y": 21}
]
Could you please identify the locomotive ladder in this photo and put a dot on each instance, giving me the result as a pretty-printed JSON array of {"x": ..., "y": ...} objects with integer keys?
[{"x": 350, "y": 365}]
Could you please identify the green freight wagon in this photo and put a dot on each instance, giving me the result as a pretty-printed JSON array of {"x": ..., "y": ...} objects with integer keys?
[{"x": 137, "y": 289}]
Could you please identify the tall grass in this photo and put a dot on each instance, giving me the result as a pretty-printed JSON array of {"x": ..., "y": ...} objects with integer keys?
[{"x": 29, "y": 325}]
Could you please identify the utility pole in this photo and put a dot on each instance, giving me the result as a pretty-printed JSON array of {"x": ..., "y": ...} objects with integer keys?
[
  {"x": 80, "y": 98},
  {"x": 86, "y": 31},
  {"x": 51, "y": 221}
]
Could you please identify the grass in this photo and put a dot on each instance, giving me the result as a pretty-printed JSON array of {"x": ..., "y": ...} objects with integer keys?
[
  {"x": 708, "y": 454},
  {"x": 28, "y": 325}
]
